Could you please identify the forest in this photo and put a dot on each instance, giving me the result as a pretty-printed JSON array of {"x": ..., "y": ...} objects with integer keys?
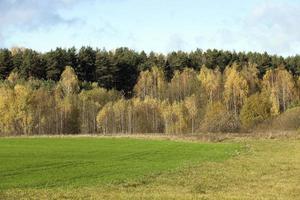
[{"x": 70, "y": 91}]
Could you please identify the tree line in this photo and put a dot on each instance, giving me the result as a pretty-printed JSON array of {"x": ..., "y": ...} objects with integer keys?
[
  {"x": 190, "y": 101},
  {"x": 120, "y": 68}
]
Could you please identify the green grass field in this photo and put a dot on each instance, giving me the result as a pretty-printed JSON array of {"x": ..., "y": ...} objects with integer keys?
[
  {"x": 74, "y": 162},
  {"x": 122, "y": 168}
]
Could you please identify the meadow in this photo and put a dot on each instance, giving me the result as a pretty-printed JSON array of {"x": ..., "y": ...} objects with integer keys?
[
  {"x": 128, "y": 168},
  {"x": 73, "y": 162}
]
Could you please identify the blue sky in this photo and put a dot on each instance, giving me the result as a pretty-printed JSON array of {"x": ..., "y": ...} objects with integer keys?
[{"x": 158, "y": 25}]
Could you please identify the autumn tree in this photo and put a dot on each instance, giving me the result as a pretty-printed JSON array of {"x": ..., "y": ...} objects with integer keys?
[
  {"x": 91, "y": 101},
  {"x": 69, "y": 81},
  {"x": 105, "y": 119},
  {"x": 174, "y": 118},
  {"x": 211, "y": 81},
  {"x": 146, "y": 115},
  {"x": 44, "y": 110},
  {"x": 218, "y": 119},
  {"x": 151, "y": 83},
  {"x": 120, "y": 116},
  {"x": 118, "y": 91},
  {"x": 7, "y": 114},
  {"x": 183, "y": 84},
  {"x": 256, "y": 109},
  {"x": 192, "y": 109},
  {"x": 280, "y": 86},
  {"x": 67, "y": 100},
  {"x": 236, "y": 89},
  {"x": 23, "y": 109},
  {"x": 250, "y": 73},
  {"x": 131, "y": 116}
]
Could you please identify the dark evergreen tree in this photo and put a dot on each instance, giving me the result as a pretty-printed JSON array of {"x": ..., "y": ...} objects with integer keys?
[
  {"x": 6, "y": 63},
  {"x": 264, "y": 63},
  {"x": 105, "y": 70},
  {"x": 71, "y": 57},
  {"x": 293, "y": 64},
  {"x": 159, "y": 59},
  {"x": 178, "y": 60},
  {"x": 126, "y": 62},
  {"x": 168, "y": 71},
  {"x": 17, "y": 59},
  {"x": 145, "y": 63},
  {"x": 56, "y": 61},
  {"x": 119, "y": 69},
  {"x": 86, "y": 64},
  {"x": 32, "y": 65},
  {"x": 196, "y": 58}
]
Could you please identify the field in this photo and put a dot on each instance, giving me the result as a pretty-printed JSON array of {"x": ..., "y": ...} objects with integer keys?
[{"x": 126, "y": 168}]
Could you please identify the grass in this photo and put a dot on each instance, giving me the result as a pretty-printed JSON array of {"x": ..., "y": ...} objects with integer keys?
[
  {"x": 269, "y": 169},
  {"x": 77, "y": 162}
]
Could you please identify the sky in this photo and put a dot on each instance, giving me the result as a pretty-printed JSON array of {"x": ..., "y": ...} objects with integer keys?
[{"x": 152, "y": 25}]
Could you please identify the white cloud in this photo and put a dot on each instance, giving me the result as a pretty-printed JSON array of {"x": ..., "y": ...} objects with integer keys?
[
  {"x": 29, "y": 15},
  {"x": 175, "y": 43},
  {"x": 274, "y": 27},
  {"x": 269, "y": 26}
]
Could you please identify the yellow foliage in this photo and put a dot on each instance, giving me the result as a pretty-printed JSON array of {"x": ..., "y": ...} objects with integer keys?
[
  {"x": 256, "y": 109},
  {"x": 192, "y": 108},
  {"x": 69, "y": 81},
  {"x": 183, "y": 84},
  {"x": 151, "y": 83},
  {"x": 250, "y": 73},
  {"x": 211, "y": 80},
  {"x": 174, "y": 117},
  {"x": 218, "y": 119},
  {"x": 280, "y": 86},
  {"x": 235, "y": 89}
]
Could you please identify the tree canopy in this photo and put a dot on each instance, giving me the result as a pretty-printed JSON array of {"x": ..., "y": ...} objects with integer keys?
[
  {"x": 119, "y": 69},
  {"x": 66, "y": 91}
]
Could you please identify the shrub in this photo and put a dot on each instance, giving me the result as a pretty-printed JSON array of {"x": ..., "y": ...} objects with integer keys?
[
  {"x": 219, "y": 119},
  {"x": 289, "y": 120},
  {"x": 256, "y": 109}
]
